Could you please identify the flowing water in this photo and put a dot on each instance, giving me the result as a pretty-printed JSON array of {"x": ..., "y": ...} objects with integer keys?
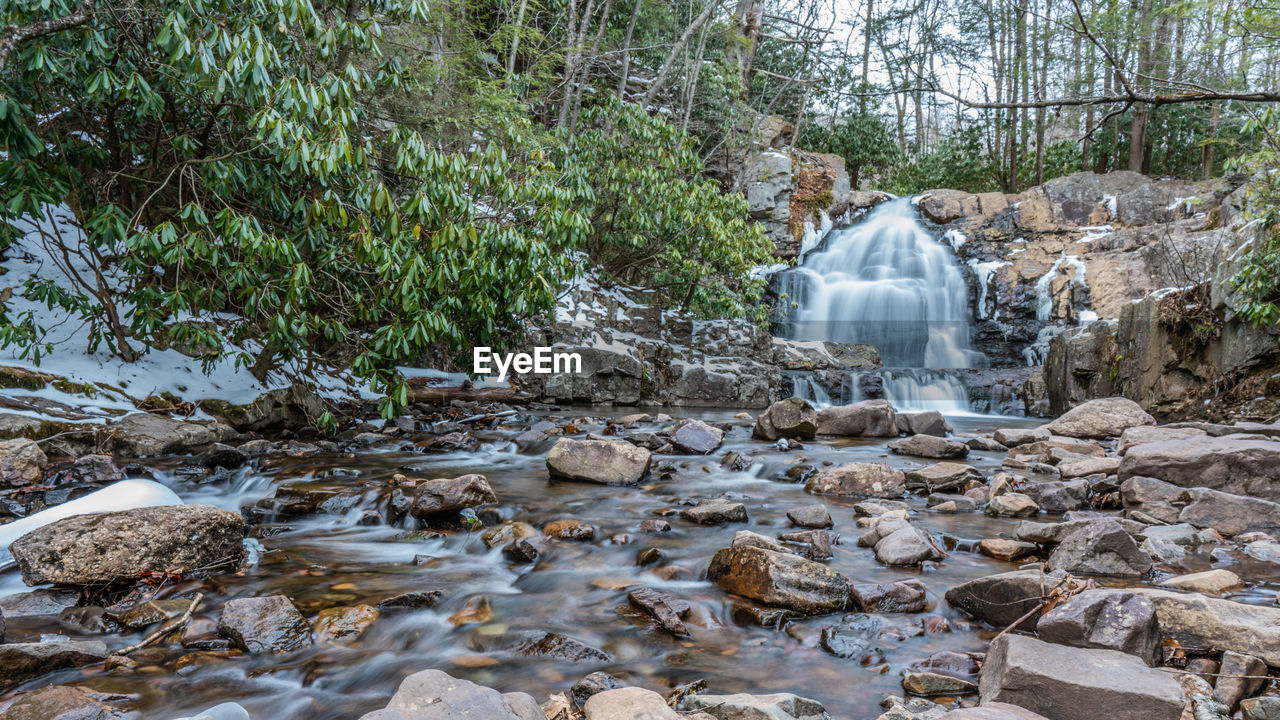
[
  {"x": 888, "y": 282},
  {"x": 575, "y": 588}
]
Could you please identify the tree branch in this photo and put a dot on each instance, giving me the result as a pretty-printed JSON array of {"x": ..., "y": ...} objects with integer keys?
[{"x": 14, "y": 35}]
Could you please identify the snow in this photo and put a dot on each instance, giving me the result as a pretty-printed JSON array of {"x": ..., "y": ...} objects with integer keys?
[
  {"x": 1087, "y": 316},
  {"x": 984, "y": 271},
  {"x": 761, "y": 272},
  {"x": 1045, "y": 307},
  {"x": 955, "y": 238},
  {"x": 1110, "y": 202},
  {"x": 812, "y": 237},
  {"x": 1095, "y": 232}
]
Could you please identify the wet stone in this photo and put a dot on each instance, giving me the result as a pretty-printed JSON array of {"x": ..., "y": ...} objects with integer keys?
[
  {"x": 855, "y": 636},
  {"x": 665, "y": 609},
  {"x": 520, "y": 551},
  {"x": 20, "y": 662},
  {"x": 906, "y": 596},
  {"x": 559, "y": 647},
  {"x": 715, "y": 511},
  {"x": 344, "y": 625},
  {"x": 264, "y": 625},
  {"x": 593, "y": 684},
  {"x": 810, "y": 516},
  {"x": 569, "y": 530},
  {"x": 412, "y": 600}
]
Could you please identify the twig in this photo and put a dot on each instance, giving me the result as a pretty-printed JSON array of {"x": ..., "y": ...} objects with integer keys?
[{"x": 164, "y": 629}]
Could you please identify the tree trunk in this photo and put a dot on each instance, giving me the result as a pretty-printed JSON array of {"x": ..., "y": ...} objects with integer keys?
[
  {"x": 661, "y": 80},
  {"x": 515, "y": 41},
  {"x": 626, "y": 51}
]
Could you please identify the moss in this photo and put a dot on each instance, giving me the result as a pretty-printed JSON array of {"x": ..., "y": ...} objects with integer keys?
[{"x": 14, "y": 377}]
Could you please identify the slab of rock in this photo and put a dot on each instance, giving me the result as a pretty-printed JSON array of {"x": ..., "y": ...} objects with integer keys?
[
  {"x": 556, "y": 646},
  {"x": 1015, "y": 505},
  {"x": 436, "y": 695},
  {"x": 942, "y": 476},
  {"x": 931, "y": 684},
  {"x": 147, "y": 435},
  {"x": 858, "y": 479},
  {"x": 1058, "y": 496},
  {"x": 1227, "y": 513},
  {"x": 714, "y": 511},
  {"x": 1261, "y": 708},
  {"x": 906, "y": 596},
  {"x": 1101, "y": 418},
  {"x": 1203, "y": 622},
  {"x": 569, "y": 529},
  {"x": 696, "y": 437},
  {"x": 607, "y": 462},
  {"x": 105, "y": 547},
  {"x": 985, "y": 444},
  {"x": 1101, "y": 547},
  {"x": 1142, "y": 434},
  {"x": 20, "y": 662},
  {"x": 22, "y": 462},
  {"x": 993, "y": 711},
  {"x": 810, "y": 516},
  {"x": 1084, "y": 466},
  {"x": 1105, "y": 619},
  {"x": 1239, "y": 676},
  {"x": 1234, "y": 465},
  {"x": 790, "y": 418},
  {"x": 61, "y": 702},
  {"x": 344, "y": 625},
  {"x": 1209, "y": 582},
  {"x": 631, "y": 703},
  {"x": 999, "y": 600},
  {"x": 1067, "y": 683},
  {"x": 1013, "y": 437},
  {"x": 930, "y": 446},
  {"x": 775, "y": 706},
  {"x": 450, "y": 495},
  {"x": 264, "y": 625},
  {"x": 666, "y": 609},
  {"x": 868, "y": 418},
  {"x": 780, "y": 579},
  {"x": 927, "y": 422},
  {"x": 1007, "y": 550},
  {"x": 908, "y": 545}
]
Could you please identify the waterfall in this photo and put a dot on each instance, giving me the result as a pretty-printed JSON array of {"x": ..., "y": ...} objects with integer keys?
[{"x": 888, "y": 282}]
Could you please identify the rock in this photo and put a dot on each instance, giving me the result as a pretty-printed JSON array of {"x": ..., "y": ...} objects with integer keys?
[
  {"x": 559, "y": 647},
  {"x": 435, "y": 695},
  {"x": 715, "y": 511},
  {"x": 868, "y": 418},
  {"x": 930, "y": 446},
  {"x": 1261, "y": 708},
  {"x": 907, "y": 545},
  {"x": 858, "y": 479},
  {"x": 20, "y": 662},
  {"x": 22, "y": 462},
  {"x": 665, "y": 609},
  {"x": 344, "y": 625},
  {"x": 1007, "y": 550},
  {"x": 60, "y": 702},
  {"x": 911, "y": 708},
  {"x": 593, "y": 684},
  {"x": 630, "y": 703},
  {"x": 810, "y": 516},
  {"x": 1013, "y": 437},
  {"x": 1105, "y": 619},
  {"x": 928, "y": 422},
  {"x": 450, "y": 495},
  {"x": 1101, "y": 418},
  {"x": 289, "y": 408},
  {"x": 105, "y": 547},
  {"x": 221, "y": 456},
  {"x": 696, "y": 437},
  {"x": 906, "y": 596},
  {"x": 780, "y": 579},
  {"x": 993, "y": 711},
  {"x": 520, "y": 551},
  {"x": 411, "y": 600},
  {"x": 264, "y": 625},
  {"x": 1015, "y": 505},
  {"x": 945, "y": 502},
  {"x": 1209, "y": 582},
  {"x": 1204, "y": 622},
  {"x": 790, "y": 418},
  {"x": 601, "y": 461},
  {"x": 1066, "y": 683},
  {"x": 776, "y": 706},
  {"x": 508, "y": 532},
  {"x": 1239, "y": 676},
  {"x": 569, "y": 529},
  {"x": 1084, "y": 466},
  {"x": 1057, "y": 496},
  {"x": 1000, "y": 600},
  {"x": 1101, "y": 547},
  {"x": 942, "y": 476},
  {"x": 148, "y": 435},
  {"x": 1142, "y": 434},
  {"x": 1227, "y": 513},
  {"x": 1156, "y": 498},
  {"x": 38, "y": 602},
  {"x": 854, "y": 636},
  {"x": 1238, "y": 466},
  {"x": 222, "y": 711},
  {"x": 930, "y": 684}
]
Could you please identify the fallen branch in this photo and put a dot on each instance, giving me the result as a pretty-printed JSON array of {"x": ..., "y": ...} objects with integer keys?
[{"x": 168, "y": 628}]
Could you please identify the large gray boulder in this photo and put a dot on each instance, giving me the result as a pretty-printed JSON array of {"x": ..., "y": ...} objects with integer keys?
[
  {"x": 696, "y": 437},
  {"x": 147, "y": 435},
  {"x": 632, "y": 703},
  {"x": 741, "y": 706},
  {"x": 608, "y": 462},
  {"x": 436, "y": 695},
  {"x": 450, "y": 495},
  {"x": 264, "y": 625},
  {"x": 1066, "y": 683},
  {"x": 930, "y": 446},
  {"x": 106, "y": 547},
  {"x": 1101, "y": 418},
  {"x": 780, "y": 579},
  {"x": 907, "y": 545},
  {"x": 1204, "y": 622},
  {"x": 1240, "y": 466},
  {"x": 790, "y": 418},
  {"x": 1101, "y": 547},
  {"x": 20, "y": 662},
  {"x": 67, "y": 702},
  {"x": 21, "y": 462},
  {"x": 943, "y": 476},
  {"x": 867, "y": 418},
  {"x": 1000, "y": 600},
  {"x": 859, "y": 480},
  {"x": 1107, "y": 620}
]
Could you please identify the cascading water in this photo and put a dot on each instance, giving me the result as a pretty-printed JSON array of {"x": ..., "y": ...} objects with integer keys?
[{"x": 886, "y": 281}]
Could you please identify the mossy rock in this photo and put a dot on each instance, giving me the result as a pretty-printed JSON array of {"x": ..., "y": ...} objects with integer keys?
[{"x": 16, "y": 377}]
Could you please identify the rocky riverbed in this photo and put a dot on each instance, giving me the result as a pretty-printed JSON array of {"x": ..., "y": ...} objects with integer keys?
[{"x": 857, "y": 561}]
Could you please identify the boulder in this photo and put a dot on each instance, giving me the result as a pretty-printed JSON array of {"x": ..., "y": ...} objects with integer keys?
[
  {"x": 436, "y": 695},
  {"x": 1015, "y": 505},
  {"x": 1101, "y": 418},
  {"x": 780, "y": 579},
  {"x": 264, "y": 625},
  {"x": 555, "y": 646},
  {"x": 1209, "y": 582},
  {"x": 1239, "y": 676},
  {"x": 908, "y": 545},
  {"x": 105, "y": 547},
  {"x": 631, "y": 703},
  {"x": 289, "y": 408},
  {"x": 61, "y": 702},
  {"x": 20, "y": 662},
  {"x": 147, "y": 435},
  {"x": 1155, "y": 498},
  {"x": 450, "y": 495},
  {"x": 858, "y": 479},
  {"x": 344, "y": 625},
  {"x": 715, "y": 511},
  {"x": 1204, "y": 622},
  {"x": 941, "y": 477},
  {"x": 931, "y": 684},
  {"x": 696, "y": 437},
  {"x": 1227, "y": 513},
  {"x": 993, "y": 711},
  {"x": 21, "y": 462},
  {"x": 1067, "y": 683},
  {"x": 1142, "y": 434},
  {"x": 1083, "y": 466},
  {"x": 928, "y": 422},
  {"x": 906, "y": 596},
  {"x": 1058, "y": 496},
  {"x": 1013, "y": 437},
  {"x": 867, "y": 418},
  {"x": 1105, "y": 619},
  {"x": 1000, "y": 600},
  {"x": 854, "y": 637},
  {"x": 1007, "y": 550},
  {"x": 1261, "y": 708},
  {"x": 930, "y": 446},
  {"x": 776, "y": 706},
  {"x": 1240, "y": 466},
  {"x": 607, "y": 462},
  {"x": 810, "y": 516},
  {"x": 593, "y": 684},
  {"x": 1102, "y": 547},
  {"x": 790, "y": 418}
]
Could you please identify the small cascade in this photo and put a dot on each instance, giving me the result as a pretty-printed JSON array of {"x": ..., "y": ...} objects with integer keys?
[{"x": 888, "y": 282}]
